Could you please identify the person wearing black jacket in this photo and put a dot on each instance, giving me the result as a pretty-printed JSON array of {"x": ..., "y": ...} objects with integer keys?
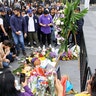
[
  {"x": 79, "y": 24},
  {"x": 32, "y": 25},
  {"x": 3, "y": 25}
]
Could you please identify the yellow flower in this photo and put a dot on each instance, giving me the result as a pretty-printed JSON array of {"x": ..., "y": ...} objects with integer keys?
[
  {"x": 23, "y": 71},
  {"x": 42, "y": 58},
  {"x": 54, "y": 60},
  {"x": 29, "y": 58}
]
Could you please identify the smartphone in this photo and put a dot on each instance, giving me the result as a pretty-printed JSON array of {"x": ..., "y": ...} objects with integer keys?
[
  {"x": 22, "y": 77},
  {"x": 58, "y": 73}
]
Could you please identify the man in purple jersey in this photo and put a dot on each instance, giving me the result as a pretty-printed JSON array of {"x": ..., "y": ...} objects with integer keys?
[{"x": 45, "y": 21}]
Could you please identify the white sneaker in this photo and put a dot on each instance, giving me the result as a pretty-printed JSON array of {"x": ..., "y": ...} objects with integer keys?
[
  {"x": 32, "y": 47},
  {"x": 39, "y": 48},
  {"x": 10, "y": 66},
  {"x": 43, "y": 46},
  {"x": 17, "y": 58},
  {"x": 50, "y": 46}
]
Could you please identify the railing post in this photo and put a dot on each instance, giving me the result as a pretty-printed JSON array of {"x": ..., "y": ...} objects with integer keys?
[{"x": 83, "y": 63}]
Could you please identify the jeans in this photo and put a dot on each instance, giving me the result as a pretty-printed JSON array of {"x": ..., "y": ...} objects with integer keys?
[
  {"x": 18, "y": 39},
  {"x": 10, "y": 57},
  {"x": 5, "y": 64}
]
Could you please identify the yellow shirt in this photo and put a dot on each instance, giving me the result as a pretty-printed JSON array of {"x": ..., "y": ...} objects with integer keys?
[{"x": 82, "y": 94}]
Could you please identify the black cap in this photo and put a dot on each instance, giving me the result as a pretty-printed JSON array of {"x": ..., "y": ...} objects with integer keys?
[
  {"x": 2, "y": 9},
  {"x": 46, "y": 11},
  {"x": 17, "y": 8}
]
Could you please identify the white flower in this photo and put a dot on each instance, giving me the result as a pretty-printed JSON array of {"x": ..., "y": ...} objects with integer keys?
[
  {"x": 58, "y": 22},
  {"x": 61, "y": 11},
  {"x": 58, "y": 40},
  {"x": 75, "y": 50},
  {"x": 43, "y": 52},
  {"x": 62, "y": 23}
]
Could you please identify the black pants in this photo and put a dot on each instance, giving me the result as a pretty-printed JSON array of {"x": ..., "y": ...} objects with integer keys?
[
  {"x": 3, "y": 37},
  {"x": 92, "y": 1},
  {"x": 39, "y": 33},
  {"x": 46, "y": 38}
]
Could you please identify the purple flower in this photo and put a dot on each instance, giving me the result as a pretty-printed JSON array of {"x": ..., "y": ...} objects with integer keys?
[
  {"x": 52, "y": 54},
  {"x": 64, "y": 54}
]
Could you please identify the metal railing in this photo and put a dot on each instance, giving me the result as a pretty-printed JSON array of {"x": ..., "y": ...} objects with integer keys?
[
  {"x": 85, "y": 71},
  {"x": 88, "y": 75},
  {"x": 83, "y": 62}
]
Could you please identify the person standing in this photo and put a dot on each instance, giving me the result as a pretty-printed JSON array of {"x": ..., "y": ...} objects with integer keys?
[
  {"x": 38, "y": 13},
  {"x": 52, "y": 13},
  {"x": 18, "y": 25},
  {"x": 8, "y": 16},
  {"x": 45, "y": 21},
  {"x": 79, "y": 24},
  {"x": 3, "y": 25},
  {"x": 32, "y": 25}
]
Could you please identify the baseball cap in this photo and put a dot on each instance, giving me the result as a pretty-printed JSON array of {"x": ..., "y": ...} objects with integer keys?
[
  {"x": 29, "y": 11},
  {"x": 46, "y": 11},
  {"x": 17, "y": 8},
  {"x": 2, "y": 9}
]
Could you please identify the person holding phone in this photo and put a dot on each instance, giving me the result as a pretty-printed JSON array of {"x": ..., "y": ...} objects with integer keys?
[
  {"x": 22, "y": 77},
  {"x": 59, "y": 87},
  {"x": 8, "y": 88}
]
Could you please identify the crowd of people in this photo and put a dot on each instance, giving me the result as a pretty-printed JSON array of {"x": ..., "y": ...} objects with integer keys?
[{"x": 29, "y": 25}]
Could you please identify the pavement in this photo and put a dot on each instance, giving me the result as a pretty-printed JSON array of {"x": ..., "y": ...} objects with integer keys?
[
  {"x": 71, "y": 68},
  {"x": 90, "y": 36}
]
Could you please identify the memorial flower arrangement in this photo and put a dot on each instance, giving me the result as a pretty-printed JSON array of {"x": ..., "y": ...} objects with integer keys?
[
  {"x": 71, "y": 54},
  {"x": 40, "y": 80},
  {"x": 48, "y": 53},
  {"x": 48, "y": 56},
  {"x": 42, "y": 85},
  {"x": 67, "y": 23}
]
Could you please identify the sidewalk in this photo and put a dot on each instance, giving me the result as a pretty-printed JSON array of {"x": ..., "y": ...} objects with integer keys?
[{"x": 90, "y": 36}]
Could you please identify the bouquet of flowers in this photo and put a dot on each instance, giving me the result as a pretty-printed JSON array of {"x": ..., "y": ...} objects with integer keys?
[
  {"x": 67, "y": 24},
  {"x": 71, "y": 54},
  {"x": 42, "y": 85}
]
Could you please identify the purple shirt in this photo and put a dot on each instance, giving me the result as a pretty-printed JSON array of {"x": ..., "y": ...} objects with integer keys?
[
  {"x": 27, "y": 92},
  {"x": 45, "y": 20}
]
